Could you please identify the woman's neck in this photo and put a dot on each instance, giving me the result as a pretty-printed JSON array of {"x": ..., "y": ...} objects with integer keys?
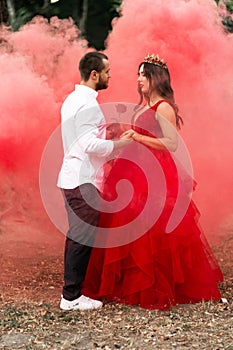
[{"x": 154, "y": 98}]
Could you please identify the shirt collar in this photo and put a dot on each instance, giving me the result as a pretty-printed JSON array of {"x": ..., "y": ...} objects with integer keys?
[{"x": 86, "y": 89}]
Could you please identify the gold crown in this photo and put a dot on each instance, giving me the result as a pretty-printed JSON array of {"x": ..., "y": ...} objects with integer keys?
[{"x": 154, "y": 59}]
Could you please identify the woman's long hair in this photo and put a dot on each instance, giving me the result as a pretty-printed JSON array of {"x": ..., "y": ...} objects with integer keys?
[{"x": 159, "y": 80}]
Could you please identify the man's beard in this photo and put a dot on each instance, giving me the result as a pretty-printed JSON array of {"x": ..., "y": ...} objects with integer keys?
[{"x": 101, "y": 85}]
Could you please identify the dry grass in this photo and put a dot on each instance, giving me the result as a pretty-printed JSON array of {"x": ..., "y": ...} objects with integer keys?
[{"x": 31, "y": 279}]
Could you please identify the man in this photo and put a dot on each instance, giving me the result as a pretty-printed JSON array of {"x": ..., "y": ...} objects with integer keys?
[{"x": 80, "y": 177}]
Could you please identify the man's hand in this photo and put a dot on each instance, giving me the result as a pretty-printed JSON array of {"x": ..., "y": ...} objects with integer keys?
[
  {"x": 127, "y": 135},
  {"x": 133, "y": 135},
  {"x": 125, "y": 139}
]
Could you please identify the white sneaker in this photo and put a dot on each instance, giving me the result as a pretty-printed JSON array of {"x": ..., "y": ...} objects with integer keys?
[{"x": 82, "y": 303}]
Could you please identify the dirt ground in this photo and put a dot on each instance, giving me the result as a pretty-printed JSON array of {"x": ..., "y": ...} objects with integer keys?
[{"x": 30, "y": 286}]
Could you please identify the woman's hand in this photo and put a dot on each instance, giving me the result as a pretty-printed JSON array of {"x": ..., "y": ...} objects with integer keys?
[
  {"x": 125, "y": 139},
  {"x": 133, "y": 135},
  {"x": 137, "y": 137},
  {"x": 127, "y": 134}
]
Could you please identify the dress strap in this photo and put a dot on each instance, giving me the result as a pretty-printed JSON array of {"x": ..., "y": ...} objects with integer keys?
[{"x": 156, "y": 105}]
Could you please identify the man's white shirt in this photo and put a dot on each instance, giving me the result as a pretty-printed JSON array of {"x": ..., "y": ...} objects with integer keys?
[{"x": 83, "y": 136}]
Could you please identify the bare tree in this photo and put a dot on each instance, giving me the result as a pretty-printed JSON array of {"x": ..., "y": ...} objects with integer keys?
[
  {"x": 3, "y": 12},
  {"x": 81, "y": 13},
  {"x": 11, "y": 10},
  {"x": 83, "y": 19}
]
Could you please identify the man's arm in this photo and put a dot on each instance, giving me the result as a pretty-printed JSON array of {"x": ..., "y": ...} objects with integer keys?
[{"x": 88, "y": 124}]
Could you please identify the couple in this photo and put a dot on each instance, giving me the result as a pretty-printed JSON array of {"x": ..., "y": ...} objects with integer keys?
[{"x": 156, "y": 270}]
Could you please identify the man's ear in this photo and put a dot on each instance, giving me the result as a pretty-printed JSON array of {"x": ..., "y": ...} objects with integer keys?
[{"x": 94, "y": 75}]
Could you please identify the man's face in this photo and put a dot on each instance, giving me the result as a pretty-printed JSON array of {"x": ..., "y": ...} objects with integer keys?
[{"x": 104, "y": 76}]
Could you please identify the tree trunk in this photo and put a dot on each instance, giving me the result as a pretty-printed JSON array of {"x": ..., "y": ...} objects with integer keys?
[
  {"x": 3, "y": 12},
  {"x": 84, "y": 16},
  {"x": 82, "y": 13},
  {"x": 11, "y": 11}
]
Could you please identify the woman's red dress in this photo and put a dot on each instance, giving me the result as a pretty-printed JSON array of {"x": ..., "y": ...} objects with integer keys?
[{"x": 158, "y": 269}]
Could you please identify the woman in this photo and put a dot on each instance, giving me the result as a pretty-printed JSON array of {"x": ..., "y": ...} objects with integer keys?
[{"x": 155, "y": 269}]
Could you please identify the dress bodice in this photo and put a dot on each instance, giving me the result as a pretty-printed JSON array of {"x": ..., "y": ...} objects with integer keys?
[{"x": 147, "y": 124}]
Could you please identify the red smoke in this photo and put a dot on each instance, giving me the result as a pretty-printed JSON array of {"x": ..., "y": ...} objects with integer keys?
[{"x": 38, "y": 68}]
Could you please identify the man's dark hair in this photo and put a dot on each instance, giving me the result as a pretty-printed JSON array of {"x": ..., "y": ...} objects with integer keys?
[{"x": 89, "y": 62}]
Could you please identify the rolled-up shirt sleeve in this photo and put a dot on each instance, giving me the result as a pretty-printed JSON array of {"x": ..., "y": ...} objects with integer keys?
[{"x": 90, "y": 126}]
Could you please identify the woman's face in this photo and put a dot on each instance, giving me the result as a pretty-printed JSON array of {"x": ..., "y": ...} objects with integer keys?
[{"x": 143, "y": 81}]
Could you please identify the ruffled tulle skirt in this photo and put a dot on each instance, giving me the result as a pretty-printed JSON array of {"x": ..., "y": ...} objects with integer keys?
[{"x": 157, "y": 270}]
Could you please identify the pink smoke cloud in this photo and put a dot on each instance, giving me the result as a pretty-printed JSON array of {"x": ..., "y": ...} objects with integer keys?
[{"x": 38, "y": 68}]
